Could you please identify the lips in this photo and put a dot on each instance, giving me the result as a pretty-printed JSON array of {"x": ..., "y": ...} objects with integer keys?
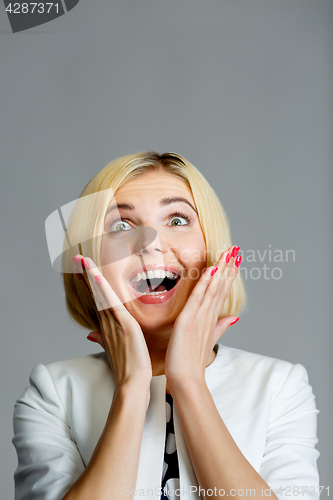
[{"x": 156, "y": 299}]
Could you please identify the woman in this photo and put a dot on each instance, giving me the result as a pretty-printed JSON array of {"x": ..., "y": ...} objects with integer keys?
[{"x": 151, "y": 282}]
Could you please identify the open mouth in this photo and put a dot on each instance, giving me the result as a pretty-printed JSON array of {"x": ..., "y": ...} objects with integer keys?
[{"x": 154, "y": 282}]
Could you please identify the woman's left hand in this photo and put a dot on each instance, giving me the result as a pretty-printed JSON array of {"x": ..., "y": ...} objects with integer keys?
[{"x": 197, "y": 327}]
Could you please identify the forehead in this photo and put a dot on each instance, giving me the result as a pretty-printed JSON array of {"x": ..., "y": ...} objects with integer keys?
[{"x": 153, "y": 185}]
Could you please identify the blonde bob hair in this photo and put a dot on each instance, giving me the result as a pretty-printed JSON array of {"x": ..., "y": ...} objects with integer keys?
[{"x": 213, "y": 220}]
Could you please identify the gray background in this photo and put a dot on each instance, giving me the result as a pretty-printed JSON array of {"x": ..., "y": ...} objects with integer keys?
[{"x": 243, "y": 89}]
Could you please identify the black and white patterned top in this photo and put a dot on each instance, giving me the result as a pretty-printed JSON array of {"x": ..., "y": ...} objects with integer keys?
[{"x": 170, "y": 476}]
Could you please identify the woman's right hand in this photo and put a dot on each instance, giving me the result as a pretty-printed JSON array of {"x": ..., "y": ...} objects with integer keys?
[{"x": 122, "y": 339}]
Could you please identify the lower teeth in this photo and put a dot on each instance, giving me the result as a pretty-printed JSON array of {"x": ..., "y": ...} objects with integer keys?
[{"x": 153, "y": 293}]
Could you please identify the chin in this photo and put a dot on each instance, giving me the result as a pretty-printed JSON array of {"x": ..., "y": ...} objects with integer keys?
[{"x": 152, "y": 323}]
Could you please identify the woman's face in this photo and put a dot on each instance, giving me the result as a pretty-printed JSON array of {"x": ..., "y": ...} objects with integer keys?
[{"x": 173, "y": 262}]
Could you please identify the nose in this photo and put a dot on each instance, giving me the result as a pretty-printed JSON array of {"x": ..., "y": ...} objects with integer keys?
[
  {"x": 150, "y": 247},
  {"x": 146, "y": 250}
]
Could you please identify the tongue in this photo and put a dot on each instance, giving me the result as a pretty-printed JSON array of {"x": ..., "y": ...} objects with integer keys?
[
  {"x": 160, "y": 288},
  {"x": 144, "y": 288}
]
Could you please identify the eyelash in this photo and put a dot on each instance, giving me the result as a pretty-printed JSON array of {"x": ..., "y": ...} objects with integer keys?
[
  {"x": 180, "y": 214},
  {"x": 172, "y": 216}
]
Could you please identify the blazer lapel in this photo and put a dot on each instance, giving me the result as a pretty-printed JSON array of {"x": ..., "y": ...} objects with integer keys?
[
  {"x": 153, "y": 441},
  {"x": 188, "y": 481}
]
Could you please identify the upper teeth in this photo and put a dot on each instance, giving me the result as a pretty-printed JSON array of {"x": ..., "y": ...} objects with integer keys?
[{"x": 157, "y": 273}]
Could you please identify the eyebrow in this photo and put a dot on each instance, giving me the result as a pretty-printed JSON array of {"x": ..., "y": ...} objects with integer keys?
[{"x": 164, "y": 202}]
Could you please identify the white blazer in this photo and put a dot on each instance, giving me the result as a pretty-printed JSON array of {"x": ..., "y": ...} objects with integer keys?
[{"x": 267, "y": 404}]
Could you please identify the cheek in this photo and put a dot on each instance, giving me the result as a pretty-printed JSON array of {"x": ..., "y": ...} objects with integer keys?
[
  {"x": 115, "y": 275},
  {"x": 192, "y": 253},
  {"x": 112, "y": 273},
  {"x": 193, "y": 259}
]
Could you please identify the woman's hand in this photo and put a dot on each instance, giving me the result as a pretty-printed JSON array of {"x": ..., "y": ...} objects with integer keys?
[
  {"x": 197, "y": 327},
  {"x": 122, "y": 339}
]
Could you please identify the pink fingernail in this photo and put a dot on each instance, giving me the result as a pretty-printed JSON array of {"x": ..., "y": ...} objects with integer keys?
[
  {"x": 91, "y": 338},
  {"x": 235, "y": 251},
  {"x": 85, "y": 264},
  {"x": 77, "y": 261},
  {"x": 238, "y": 261},
  {"x": 233, "y": 322},
  {"x": 98, "y": 279},
  {"x": 213, "y": 271},
  {"x": 228, "y": 257}
]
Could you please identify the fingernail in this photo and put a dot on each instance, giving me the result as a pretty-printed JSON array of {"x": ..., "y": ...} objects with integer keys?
[
  {"x": 228, "y": 257},
  {"x": 238, "y": 261},
  {"x": 213, "y": 271},
  {"x": 235, "y": 251},
  {"x": 91, "y": 338},
  {"x": 85, "y": 264},
  {"x": 98, "y": 279},
  {"x": 234, "y": 321},
  {"x": 77, "y": 260}
]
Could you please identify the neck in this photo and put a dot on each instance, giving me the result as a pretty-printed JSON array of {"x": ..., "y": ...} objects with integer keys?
[{"x": 157, "y": 344}]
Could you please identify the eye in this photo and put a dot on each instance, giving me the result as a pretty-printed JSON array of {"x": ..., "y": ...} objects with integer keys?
[
  {"x": 119, "y": 225},
  {"x": 179, "y": 219}
]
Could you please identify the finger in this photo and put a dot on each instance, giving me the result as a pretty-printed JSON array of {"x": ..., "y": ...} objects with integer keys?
[
  {"x": 227, "y": 281},
  {"x": 85, "y": 271},
  {"x": 80, "y": 279},
  {"x": 224, "y": 268},
  {"x": 211, "y": 291},
  {"x": 222, "y": 326},
  {"x": 232, "y": 268},
  {"x": 78, "y": 262},
  {"x": 229, "y": 263},
  {"x": 85, "y": 280},
  {"x": 101, "y": 288},
  {"x": 205, "y": 291},
  {"x": 97, "y": 337},
  {"x": 80, "y": 271},
  {"x": 92, "y": 275},
  {"x": 105, "y": 295},
  {"x": 198, "y": 293},
  {"x": 228, "y": 257},
  {"x": 225, "y": 271}
]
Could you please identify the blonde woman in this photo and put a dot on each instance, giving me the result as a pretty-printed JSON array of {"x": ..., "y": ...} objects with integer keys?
[{"x": 164, "y": 411}]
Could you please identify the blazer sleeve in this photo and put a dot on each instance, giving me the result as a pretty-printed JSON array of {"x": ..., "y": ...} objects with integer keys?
[
  {"x": 49, "y": 461},
  {"x": 289, "y": 464}
]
